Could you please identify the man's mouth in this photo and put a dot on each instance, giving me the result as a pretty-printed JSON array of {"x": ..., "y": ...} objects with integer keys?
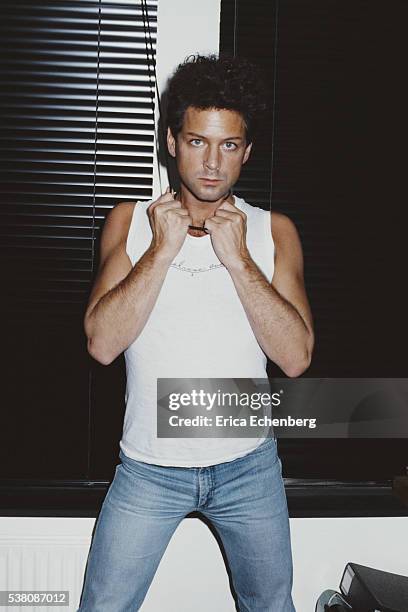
[{"x": 209, "y": 180}]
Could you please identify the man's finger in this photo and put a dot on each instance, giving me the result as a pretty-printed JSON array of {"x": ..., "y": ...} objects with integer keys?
[
  {"x": 226, "y": 214},
  {"x": 230, "y": 207},
  {"x": 166, "y": 197},
  {"x": 165, "y": 206},
  {"x": 212, "y": 221}
]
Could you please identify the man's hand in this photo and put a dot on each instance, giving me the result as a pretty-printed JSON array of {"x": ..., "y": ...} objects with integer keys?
[
  {"x": 228, "y": 234},
  {"x": 169, "y": 222}
]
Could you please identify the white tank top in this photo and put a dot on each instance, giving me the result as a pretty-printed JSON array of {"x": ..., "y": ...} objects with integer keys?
[{"x": 198, "y": 328}]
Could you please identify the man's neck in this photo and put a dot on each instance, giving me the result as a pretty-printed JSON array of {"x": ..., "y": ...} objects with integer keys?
[{"x": 201, "y": 210}]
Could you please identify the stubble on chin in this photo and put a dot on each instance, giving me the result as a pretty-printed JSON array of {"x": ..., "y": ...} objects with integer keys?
[{"x": 207, "y": 196}]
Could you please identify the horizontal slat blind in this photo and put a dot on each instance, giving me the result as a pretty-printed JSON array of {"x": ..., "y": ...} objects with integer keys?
[{"x": 77, "y": 137}]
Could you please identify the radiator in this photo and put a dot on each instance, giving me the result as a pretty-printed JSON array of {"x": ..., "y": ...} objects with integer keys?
[{"x": 44, "y": 553}]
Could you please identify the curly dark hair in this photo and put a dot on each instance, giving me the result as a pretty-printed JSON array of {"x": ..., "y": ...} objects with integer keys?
[{"x": 225, "y": 82}]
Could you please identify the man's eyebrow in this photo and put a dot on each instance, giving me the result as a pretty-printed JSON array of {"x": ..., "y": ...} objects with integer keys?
[{"x": 200, "y": 136}]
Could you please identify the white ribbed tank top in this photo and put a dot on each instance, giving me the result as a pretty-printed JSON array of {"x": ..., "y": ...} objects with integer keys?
[{"x": 198, "y": 328}]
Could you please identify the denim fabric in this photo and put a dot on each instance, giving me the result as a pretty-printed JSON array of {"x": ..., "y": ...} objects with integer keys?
[{"x": 245, "y": 501}]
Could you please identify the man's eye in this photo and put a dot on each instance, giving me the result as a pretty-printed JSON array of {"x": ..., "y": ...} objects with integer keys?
[
  {"x": 230, "y": 146},
  {"x": 195, "y": 142}
]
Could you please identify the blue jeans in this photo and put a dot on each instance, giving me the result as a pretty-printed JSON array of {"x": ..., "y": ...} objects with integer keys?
[{"x": 245, "y": 501}]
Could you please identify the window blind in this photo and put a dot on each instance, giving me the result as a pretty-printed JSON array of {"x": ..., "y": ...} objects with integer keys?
[{"x": 77, "y": 137}]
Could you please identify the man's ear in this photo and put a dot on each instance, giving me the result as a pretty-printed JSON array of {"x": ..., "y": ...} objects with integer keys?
[
  {"x": 247, "y": 152},
  {"x": 171, "y": 143}
]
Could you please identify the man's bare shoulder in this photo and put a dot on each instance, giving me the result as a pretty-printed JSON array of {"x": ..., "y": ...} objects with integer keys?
[
  {"x": 123, "y": 212},
  {"x": 118, "y": 220},
  {"x": 288, "y": 246},
  {"x": 283, "y": 229}
]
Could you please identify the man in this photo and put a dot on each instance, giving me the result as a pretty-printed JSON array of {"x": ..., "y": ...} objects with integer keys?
[{"x": 185, "y": 288}]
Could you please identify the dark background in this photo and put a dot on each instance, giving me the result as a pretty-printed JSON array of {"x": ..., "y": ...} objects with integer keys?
[
  {"x": 329, "y": 155},
  {"x": 334, "y": 70}
]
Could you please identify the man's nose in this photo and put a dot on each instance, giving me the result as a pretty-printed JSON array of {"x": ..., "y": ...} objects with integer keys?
[{"x": 212, "y": 160}]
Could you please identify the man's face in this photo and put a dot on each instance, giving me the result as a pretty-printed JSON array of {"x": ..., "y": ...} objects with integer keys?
[{"x": 210, "y": 150}]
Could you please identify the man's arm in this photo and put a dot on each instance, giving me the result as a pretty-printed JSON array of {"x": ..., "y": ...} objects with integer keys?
[
  {"x": 279, "y": 312},
  {"x": 123, "y": 296}
]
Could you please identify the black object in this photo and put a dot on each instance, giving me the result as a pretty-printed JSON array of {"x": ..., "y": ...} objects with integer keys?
[
  {"x": 331, "y": 601},
  {"x": 197, "y": 227},
  {"x": 372, "y": 590}
]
